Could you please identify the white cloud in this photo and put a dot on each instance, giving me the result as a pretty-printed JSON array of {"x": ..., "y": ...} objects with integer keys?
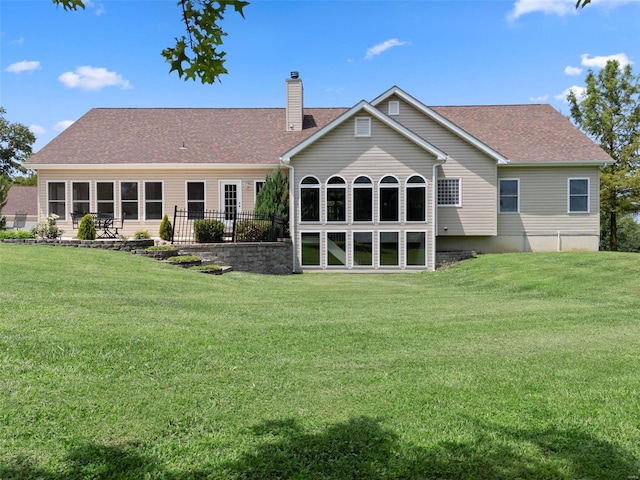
[
  {"x": 577, "y": 91},
  {"x": 90, "y": 78},
  {"x": 569, "y": 70},
  {"x": 62, "y": 125},
  {"x": 384, "y": 46},
  {"x": 558, "y": 7},
  {"x": 19, "y": 41},
  {"x": 541, "y": 98},
  {"x": 601, "y": 61},
  {"x": 37, "y": 129},
  {"x": 23, "y": 66}
]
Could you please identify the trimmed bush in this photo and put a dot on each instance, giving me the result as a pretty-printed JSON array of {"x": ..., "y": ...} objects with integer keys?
[
  {"x": 16, "y": 234},
  {"x": 87, "y": 228},
  {"x": 253, "y": 231},
  {"x": 166, "y": 229},
  {"x": 207, "y": 230},
  {"x": 142, "y": 235}
]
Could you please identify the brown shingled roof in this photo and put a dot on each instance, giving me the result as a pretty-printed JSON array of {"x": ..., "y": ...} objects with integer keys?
[
  {"x": 520, "y": 133},
  {"x": 525, "y": 133},
  {"x": 21, "y": 199},
  {"x": 155, "y": 135}
]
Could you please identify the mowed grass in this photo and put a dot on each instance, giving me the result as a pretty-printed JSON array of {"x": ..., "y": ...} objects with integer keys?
[{"x": 502, "y": 367}]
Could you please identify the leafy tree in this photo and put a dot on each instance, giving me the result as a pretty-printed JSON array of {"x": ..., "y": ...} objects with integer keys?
[
  {"x": 196, "y": 54},
  {"x": 274, "y": 195},
  {"x": 628, "y": 231},
  {"x": 31, "y": 180},
  {"x": 16, "y": 142},
  {"x": 609, "y": 112},
  {"x": 5, "y": 185}
]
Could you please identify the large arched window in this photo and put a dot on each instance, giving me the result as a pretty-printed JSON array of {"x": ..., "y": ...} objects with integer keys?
[
  {"x": 309, "y": 200},
  {"x": 389, "y": 201},
  {"x": 416, "y": 199},
  {"x": 336, "y": 200},
  {"x": 362, "y": 199}
]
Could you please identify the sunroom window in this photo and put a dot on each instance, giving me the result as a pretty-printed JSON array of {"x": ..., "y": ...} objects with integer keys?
[
  {"x": 416, "y": 198},
  {"x": 389, "y": 192},
  {"x": 362, "y": 199},
  {"x": 309, "y": 200},
  {"x": 336, "y": 199}
]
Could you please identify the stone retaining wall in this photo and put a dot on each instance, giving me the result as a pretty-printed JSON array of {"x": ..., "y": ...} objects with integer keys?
[
  {"x": 123, "y": 245},
  {"x": 273, "y": 258},
  {"x": 447, "y": 258}
]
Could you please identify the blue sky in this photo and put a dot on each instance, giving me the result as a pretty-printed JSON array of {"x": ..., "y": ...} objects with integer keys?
[{"x": 56, "y": 65}]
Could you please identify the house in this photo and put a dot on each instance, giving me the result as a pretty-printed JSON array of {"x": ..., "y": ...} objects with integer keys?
[
  {"x": 21, "y": 199},
  {"x": 382, "y": 185}
]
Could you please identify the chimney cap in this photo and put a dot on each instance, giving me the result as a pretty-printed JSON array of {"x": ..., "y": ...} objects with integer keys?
[{"x": 295, "y": 75}]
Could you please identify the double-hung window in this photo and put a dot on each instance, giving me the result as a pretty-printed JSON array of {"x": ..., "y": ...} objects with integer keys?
[
  {"x": 416, "y": 199},
  {"x": 362, "y": 199},
  {"x": 509, "y": 193},
  {"x": 578, "y": 195},
  {"x": 56, "y": 199},
  {"x": 80, "y": 198},
  {"x": 389, "y": 202},
  {"x": 129, "y": 200},
  {"x": 105, "y": 198},
  {"x": 336, "y": 200},
  {"x": 153, "y": 200},
  {"x": 195, "y": 199},
  {"x": 449, "y": 192},
  {"x": 309, "y": 200}
]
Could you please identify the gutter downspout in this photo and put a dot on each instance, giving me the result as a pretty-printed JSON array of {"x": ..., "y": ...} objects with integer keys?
[
  {"x": 292, "y": 214},
  {"x": 434, "y": 200}
]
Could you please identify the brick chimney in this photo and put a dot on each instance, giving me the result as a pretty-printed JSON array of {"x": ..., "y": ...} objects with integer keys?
[{"x": 295, "y": 111}]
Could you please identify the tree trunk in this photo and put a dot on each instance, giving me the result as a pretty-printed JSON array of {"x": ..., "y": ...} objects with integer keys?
[{"x": 613, "y": 232}]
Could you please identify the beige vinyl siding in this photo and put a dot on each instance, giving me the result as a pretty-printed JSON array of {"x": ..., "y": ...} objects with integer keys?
[
  {"x": 477, "y": 171},
  {"x": 385, "y": 152},
  {"x": 544, "y": 202},
  {"x": 174, "y": 190}
]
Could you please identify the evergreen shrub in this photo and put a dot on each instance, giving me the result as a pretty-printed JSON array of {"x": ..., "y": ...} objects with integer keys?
[
  {"x": 166, "y": 229},
  {"x": 87, "y": 228},
  {"x": 207, "y": 230}
]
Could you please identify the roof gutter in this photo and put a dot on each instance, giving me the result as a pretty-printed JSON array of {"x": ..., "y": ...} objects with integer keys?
[{"x": 147, "y": 166}]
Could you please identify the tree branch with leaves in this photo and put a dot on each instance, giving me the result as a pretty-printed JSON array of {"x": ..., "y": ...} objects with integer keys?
[
  {"x": 196, "y": 55},
  {"x": 16, "y": 141}
]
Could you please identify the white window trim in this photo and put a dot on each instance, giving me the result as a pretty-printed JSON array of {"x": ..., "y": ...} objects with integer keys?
[
  {"x": 400, "y": 199},
  {"x": 399, "y": 236},
  {"x": 255, "y": 189},
  {"x": 355, "y": 186},
  {"x": 119, "y": 197},
  {"x": 426, "y": 249},
  {"x": 299, "y": 205},
  {"x": 588, "y": 210},
  {"x": 459, "y": 204},
  {"x": 114, "y": 183},
  {"x": 346, "y": 251},
  {"x": 344, "y": 186},
  {"x": 407, "y": 186},
  {"x": 394, "y": 107},
  {"x": 186, "y": 193},
  {"x": 321, "y": 247},
  {"x": 353, "y": 253},
  {"x": 518, "y": 195},
  {"x": 91, "y": 200},
  {"x": 144, "y": 199},
  {"x": 67, "y": 212},
  {"x": 362, "y": 127}
]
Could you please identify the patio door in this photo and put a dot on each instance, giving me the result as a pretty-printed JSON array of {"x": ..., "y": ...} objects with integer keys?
[{"x": 230, "y": 199}]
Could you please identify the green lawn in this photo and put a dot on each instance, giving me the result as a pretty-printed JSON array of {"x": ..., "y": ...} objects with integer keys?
[{"x": 503, "y": 367}]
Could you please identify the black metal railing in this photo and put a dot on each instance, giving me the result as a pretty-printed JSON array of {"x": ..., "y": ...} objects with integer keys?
[{"x": 233, "y": 226}]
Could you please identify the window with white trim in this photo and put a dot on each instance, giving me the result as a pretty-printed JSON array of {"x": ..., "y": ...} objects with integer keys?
[
  {"x": 449, "y": 192},
  {"x": 80, "y": 198},
  {"x": 336, "y": 200},
  {"x": 105, "y": 198},
  {"x": 394, "y": 107},
  {"x": 389, "y": 191},
  {"x": 57, "y": 199},
  {"x": 363, "y": 127},
  {"x": 309, "y": 199},
  {"x": 129, "y": 200},
  {"x": 509, "y": 195},
  {"x": 362, "y": 199},
  {"x": 258, "y": 186},
  {"x": 336, "y": 247},
  {"x": 362, "y": 249},
  {"x": 195, "y": 200},
  {"x": 310, "y": 249},
  {"x": 389, "y": 249},
  {"x": 416, "y": 199},
  {"x": 153, "y": 200},
  {"x": 578, "y": 195},
  {"x": 416, "y": 249}
]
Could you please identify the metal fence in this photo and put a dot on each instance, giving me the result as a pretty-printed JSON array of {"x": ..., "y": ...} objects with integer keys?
[{"x": 189, "y": 225}]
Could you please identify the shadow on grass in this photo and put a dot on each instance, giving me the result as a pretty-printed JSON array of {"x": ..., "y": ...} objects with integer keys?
[{"x": 362, "y": 448}]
